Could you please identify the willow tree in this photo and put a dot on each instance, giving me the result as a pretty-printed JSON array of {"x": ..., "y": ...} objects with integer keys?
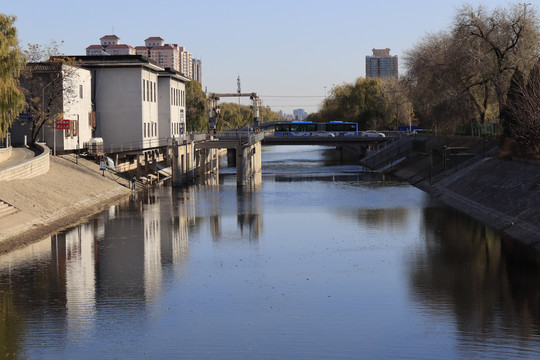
[
  {"x": 362, "y": 102},
  {"x": 196, "y": 118},
  {"x": 11, "y": 63}
]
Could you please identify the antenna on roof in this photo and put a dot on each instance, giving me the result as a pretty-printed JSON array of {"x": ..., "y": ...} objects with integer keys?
[{"x": 113, "y": 30}]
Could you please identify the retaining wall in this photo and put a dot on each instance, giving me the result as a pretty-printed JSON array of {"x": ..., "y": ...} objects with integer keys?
[
  {"x": 36, "y": 166},
  {"x": 5, "y": 153}
]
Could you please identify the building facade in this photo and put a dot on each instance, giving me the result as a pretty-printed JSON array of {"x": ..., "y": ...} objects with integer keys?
[
  {"x": 172, "y": 104},
  {"x": 381, "y": 64},
  {"x": 64, "y": 94}
]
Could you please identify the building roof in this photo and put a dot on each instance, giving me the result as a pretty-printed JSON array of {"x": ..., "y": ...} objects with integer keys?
[
  {"x": 119, "y": 46},
  {"x": 116, "y": 61},
  {"x": 168, "y": 72},
  {"x": 106, "y": 37},
  {"x": 95, "y": 47},
  {"x": 154, "y": 38},
  {"x": 140, "y": 47}
]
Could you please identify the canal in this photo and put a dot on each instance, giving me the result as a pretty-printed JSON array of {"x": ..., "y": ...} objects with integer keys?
[{"x": 321, "y": 261}]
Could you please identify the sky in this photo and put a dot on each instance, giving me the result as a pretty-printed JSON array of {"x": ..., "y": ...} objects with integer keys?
[{"x": 289, "y": 52}]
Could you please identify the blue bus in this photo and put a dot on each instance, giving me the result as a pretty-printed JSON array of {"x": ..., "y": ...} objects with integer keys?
[{"x": 309, "y": 128}]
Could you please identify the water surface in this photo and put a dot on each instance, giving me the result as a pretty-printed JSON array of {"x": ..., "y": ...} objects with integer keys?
[{"x": 320, "y": 261}]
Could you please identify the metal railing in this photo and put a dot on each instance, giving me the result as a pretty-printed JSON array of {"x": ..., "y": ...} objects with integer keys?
[{"x": 6, "y": 141}]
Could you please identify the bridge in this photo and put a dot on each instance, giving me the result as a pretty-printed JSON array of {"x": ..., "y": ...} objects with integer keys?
[{"x": 322, "y": 139}]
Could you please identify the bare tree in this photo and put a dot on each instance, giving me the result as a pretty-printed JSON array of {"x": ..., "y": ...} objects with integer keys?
[
  {"x": 495, "y": 45},
  {"x": 521, "y": 115},
  {"x": 463, "y": 75},
  {"x": 47, "y": 87}
]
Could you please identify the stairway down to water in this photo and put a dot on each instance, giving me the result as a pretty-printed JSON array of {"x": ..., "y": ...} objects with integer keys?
[{"x": 7, "y": 209}]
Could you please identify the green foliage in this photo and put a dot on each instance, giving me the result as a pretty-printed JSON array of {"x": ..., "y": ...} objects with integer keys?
[
  {"x": 362, "y": 102},
  {"x": 196, "y": 118},
  {"x": 235, "y": 116},
  {"x": 11, "y": 63}
]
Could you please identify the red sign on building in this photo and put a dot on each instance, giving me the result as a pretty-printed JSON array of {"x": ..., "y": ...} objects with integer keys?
[{"x": 63, "y": 124}]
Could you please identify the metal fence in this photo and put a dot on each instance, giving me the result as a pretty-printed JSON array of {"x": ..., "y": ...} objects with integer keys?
[{"x": 6, "y": 141}]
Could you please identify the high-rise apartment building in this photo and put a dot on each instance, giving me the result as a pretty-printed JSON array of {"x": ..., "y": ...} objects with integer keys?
[
  {"x": 381, "y": 64},
  {"x": 197, "y": 70},
  {"x": 186, "y": 66},
  {"x": 170, "y": 56}
]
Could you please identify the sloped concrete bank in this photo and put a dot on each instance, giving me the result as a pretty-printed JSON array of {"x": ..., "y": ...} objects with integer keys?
[
  {"x": 66, "y": 195},
  {"x": 501, "y": 193}
]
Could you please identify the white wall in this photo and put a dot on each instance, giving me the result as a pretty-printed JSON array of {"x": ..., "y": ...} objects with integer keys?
[
  {"x": 172, "y": 109},
  {"x": 77, "y": 104},
  {"x": 124, "y": 109}
]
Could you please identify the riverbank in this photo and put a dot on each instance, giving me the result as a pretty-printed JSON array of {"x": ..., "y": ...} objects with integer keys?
[
  {"x": 504, "y": 194},
  {"x": 68, "y": 194}
]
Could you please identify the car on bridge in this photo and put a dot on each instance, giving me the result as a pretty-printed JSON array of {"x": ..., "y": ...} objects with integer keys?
[{"x": 371, "y": 133}]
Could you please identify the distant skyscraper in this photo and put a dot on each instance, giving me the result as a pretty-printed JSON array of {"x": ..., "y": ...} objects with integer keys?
[
  {"x": 197, "y": 70},
  {"x": 381, "y": 64},
  {"x": 299, "y": 114}
]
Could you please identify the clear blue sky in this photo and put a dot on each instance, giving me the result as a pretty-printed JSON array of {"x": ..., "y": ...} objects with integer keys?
[{"x": 290, "y": 52}]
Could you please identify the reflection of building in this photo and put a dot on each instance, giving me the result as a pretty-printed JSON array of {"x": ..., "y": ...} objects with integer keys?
[
  {"x": 381, "y": 64},
  {"x": 80, "y": 279}
]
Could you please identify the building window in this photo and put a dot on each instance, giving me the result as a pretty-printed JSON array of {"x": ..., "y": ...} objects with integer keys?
[{"x": 81, "y": 91}]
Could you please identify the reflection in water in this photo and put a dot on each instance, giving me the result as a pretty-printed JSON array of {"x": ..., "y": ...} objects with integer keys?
[{"x": 469, "y": 270}]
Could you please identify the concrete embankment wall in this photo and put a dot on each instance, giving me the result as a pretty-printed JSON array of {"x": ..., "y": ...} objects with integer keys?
[
  {"x": 5, "y": 153},
  {"x": 36, "y": 166},
  {"x": 504, "y": 194}
]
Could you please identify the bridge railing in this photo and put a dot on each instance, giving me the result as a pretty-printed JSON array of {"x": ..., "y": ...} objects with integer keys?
[
  {"x": 155, "y": 143},
  {"x": 249, "y": 137}
]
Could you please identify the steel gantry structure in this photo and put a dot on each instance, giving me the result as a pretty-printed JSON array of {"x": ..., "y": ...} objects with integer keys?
[{"x": 213, "y": 110}]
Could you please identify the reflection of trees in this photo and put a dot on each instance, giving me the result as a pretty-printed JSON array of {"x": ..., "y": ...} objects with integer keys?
[
  {"x": 393, "y": 218},
  {"x": 11, "y": 327},
  {"x": 467, "y": 268}
]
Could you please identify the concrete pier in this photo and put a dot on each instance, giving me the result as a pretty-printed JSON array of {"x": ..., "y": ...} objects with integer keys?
[{"x": 243, "y": 150}]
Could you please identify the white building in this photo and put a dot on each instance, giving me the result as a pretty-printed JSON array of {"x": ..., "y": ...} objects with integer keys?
[
  {"x": 126, "y": 100},
  {"x": 138, "y": 104},
  {"x": 64, "y": 94},
  {"x": 172, "y": 104}
]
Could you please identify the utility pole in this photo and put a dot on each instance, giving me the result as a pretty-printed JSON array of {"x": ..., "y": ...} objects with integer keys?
[{"x": 239, "y": 88}]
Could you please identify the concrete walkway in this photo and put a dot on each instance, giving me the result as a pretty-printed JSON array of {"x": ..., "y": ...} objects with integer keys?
[{"x": 18, "y": 155}]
